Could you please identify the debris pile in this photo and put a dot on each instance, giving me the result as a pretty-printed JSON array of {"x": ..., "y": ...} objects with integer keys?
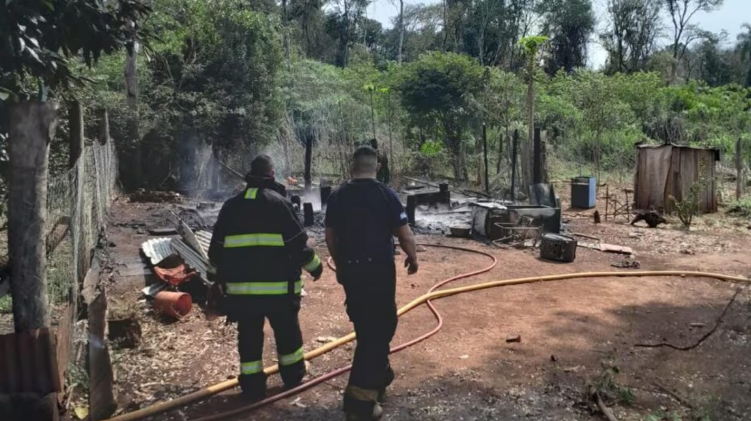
[{"x": 181, "y": 265}]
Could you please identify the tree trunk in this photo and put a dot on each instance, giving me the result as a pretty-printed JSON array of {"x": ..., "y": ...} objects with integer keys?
[
  {"x": 537, "y": 164},
  {"x": 372, "y": 114},
  {"x": 308, "y": 161},
  {"x": 401, "y": 30},
  {"x": 344, "y": 34},
  {"x": 485, "y": 157},
  {"x": 134, "y": 167},
  {"x": 526, "y": 149},
  {"x": 286, "y": 35},
  {"x": 104, "y": 126},
  {"x": 454, "y": 140},
  {"x": 738, "y": 169},
  {"x": 500, "y": 153},
  {"x": 32, "y": 125},
  {"x": 391, "y": 139},
  {"x": 514, "y": 148}
]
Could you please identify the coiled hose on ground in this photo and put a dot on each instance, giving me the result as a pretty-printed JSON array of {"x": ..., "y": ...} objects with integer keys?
[{"x": 426, "y": 298}]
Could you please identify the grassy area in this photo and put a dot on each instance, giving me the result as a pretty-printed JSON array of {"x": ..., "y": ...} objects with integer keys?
[{"x": 6, "y": 304}]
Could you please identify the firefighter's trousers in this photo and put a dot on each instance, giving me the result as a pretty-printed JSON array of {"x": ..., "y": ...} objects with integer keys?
[
  {"x": 282, "y": 312},
  {"x": 371, "y": 306}
]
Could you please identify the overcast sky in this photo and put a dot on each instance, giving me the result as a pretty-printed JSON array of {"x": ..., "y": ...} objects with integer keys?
[{"x": 729, "y": 18}]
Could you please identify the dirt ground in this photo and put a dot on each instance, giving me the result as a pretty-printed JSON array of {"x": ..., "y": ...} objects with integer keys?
[{"x": 574, "y": 334}]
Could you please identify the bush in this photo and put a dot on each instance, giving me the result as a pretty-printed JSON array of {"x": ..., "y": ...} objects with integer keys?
[
  {"x": 687, "y": 208},
  {"x": 741, "y": 208}
]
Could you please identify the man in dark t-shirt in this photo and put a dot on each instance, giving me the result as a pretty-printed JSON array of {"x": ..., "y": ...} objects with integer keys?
[{"x": 362, "y": 217}]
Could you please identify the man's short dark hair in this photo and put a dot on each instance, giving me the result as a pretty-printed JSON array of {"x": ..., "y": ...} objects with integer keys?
[
  {"x": 365, "y": 151},
  {"x": 365, "y": 159},
  {"x": 373, "y": 143},
  {"x": 262, "y": 166}
]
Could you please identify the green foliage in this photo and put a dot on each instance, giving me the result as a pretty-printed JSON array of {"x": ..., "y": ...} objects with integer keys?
[
  {"x": 606, "y": 386},
  {"x": 532, "y": 44},
  {"x": 6, "y": 304},
  {"x": 431, "y": 149},
  {"x": 741, "y": 208},
  {"x": 570, "y": 22},
  {"x": 38, "y": 38},
  {"x": 437, "y": 90},
  {"x": 688, "y": 208}
]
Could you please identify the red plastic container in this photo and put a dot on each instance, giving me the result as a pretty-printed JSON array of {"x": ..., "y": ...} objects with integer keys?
[{"x": 173, "y": 304}]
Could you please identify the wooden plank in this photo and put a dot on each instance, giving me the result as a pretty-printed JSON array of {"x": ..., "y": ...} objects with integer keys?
[
  {"x": 57, "y": 234},
  {"x": 612, "y": 248},
  {"x": 64, "y": 341},
  {"x": 101, "y": 396},
  {"x": 91, "y": 282}
]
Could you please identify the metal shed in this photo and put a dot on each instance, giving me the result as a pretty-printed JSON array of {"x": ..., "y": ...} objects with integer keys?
[{"x": 670, "y": 170}]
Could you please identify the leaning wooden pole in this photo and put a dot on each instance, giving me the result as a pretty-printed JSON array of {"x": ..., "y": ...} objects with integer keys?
[
  {"x": 514, "y": 145},
  {"x": 32, "y": 124}
]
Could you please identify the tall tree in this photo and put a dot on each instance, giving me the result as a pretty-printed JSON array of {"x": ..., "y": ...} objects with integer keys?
[
  {"x": 401, "y": 31},
  {"x": 531, "y": 46},
  {"x": 569, "y": 23},
  {"x": 311, "y": 36},
  {"x": 744, "y": 47},
  {"x": 347, "y": 14},
  {"x": 436, "y": 90},
  {"x": 713, "y": 64},
  {"x": 633, "y": 28},
  {"x": 684, "y": 32}
]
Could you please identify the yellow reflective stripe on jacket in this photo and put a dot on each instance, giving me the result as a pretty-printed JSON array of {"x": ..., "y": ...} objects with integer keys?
[
  {"x": 313, "y": 264},
  {"x": 292, "y": 358},
  {"x": 254, "y": 240},
  {"x": 251, "y": 367},
  {"x": 251, "y": 193},
  {"x": 261, "y": 288}
]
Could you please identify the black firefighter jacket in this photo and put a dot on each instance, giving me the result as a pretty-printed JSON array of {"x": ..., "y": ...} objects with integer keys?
[{"x": 259, "y": 247}]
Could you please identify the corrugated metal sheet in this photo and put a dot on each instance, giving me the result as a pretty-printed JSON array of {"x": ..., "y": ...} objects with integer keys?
[
  {"x": 190, "y": 238},
  {"x": 28, "y": 363},
  {"x": 157, "y": 249},
  {"x": 204, "y": 241},
  {"x": 191, "y": 257}
]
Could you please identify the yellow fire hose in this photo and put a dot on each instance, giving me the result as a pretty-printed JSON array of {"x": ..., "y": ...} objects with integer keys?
[{"x": 229, "y": 384}]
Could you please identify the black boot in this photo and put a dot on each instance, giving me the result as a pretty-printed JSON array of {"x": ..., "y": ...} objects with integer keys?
[{"x": 387, "y": 382}]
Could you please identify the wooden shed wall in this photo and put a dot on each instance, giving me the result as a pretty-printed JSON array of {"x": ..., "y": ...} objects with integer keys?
[{"x": 671, "y": 171}]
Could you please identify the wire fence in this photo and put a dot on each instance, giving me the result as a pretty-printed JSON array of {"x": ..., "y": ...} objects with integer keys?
[{"x": 77, "y": 204}]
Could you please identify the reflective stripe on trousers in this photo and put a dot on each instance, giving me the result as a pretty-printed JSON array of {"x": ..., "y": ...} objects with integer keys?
[
  {"x": 313, "y": 264},
  {"x": 261, "y": 288},
  {"x": 251, "y": 367},
  {"x": 292, "y": 358},
  {"x": 254, "y": 240}
]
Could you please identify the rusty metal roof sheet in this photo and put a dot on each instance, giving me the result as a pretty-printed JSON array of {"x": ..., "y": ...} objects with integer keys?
[
  {"x": 28, "y": 363},
  {"x": 157, "y": 249}
]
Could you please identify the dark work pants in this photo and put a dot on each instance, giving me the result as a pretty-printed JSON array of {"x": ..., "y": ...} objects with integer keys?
[
  {"x": 282, "y": 313},
  {"x": 371, "y": 306}
]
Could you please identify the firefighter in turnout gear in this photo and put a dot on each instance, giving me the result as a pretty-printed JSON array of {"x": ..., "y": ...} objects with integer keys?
[
  {"x": 362, "y": 217},
  {"x": 259, "y": 250}
]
